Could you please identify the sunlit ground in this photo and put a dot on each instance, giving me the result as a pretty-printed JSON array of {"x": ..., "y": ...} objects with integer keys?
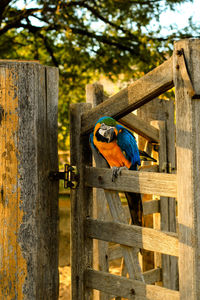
[{"x": 65, "y": 282}]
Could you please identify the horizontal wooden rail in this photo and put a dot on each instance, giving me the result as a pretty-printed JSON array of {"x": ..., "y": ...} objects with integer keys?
[
  {"x": 135, "y": 95},
  {"x": 149, "y": 168},
  {"x": 152, "y": 183},
  {"x": 133, "y": 236},
  {"x": 140, "y": 127},
  {"x": 127, "y": 288}
]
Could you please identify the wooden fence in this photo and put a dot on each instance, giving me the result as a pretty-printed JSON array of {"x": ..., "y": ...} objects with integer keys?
[{"x": 89, "y": 216}]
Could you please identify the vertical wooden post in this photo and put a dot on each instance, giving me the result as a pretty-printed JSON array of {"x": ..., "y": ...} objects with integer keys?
[
  {"x": 164, "y": 112},
  {"x": 95, "y": 96},
  {"x": 81, "y": 206},
  {"x": 186, "y": 79},
  {"x": 29, "y": 200}
]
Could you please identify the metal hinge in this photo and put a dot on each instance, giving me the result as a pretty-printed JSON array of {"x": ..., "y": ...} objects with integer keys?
[{"x": 70, "y": 176}]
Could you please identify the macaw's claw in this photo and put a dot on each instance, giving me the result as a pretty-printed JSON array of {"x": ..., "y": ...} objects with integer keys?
[{"x": 116, "y": 171}]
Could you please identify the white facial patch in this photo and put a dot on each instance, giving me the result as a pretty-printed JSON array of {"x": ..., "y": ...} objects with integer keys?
[
  {"x": 102, "y": 132},
  {"x": 106, "y": 131}
]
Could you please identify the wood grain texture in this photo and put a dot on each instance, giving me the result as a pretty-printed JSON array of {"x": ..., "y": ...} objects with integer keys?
[
  {"x": 145, "y": 113},
  {"x": 135, "y": 95},
  {"x": 133, "y": 236},
  {"x": 130, "y": 254},
  {"x": 152, "y": 276},
  {"x": 164, "y": 202},
  {"x": 188, "y": 171},
  {"x": 95, "y": 96},
  {"x": 29, "y": 201},
  {"x": 133, "y": 181},
  {"x": 151, "y": 207},
  {"x": 140, "y": 127},
  {"x": 127, "y": 288},
  {"x": 47, "y": 160},
  {"x": 81, "y": 206},
  {"x": 158, "y": 111}
]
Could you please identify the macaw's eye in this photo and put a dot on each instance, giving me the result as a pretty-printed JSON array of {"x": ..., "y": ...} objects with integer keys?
[{"x": 104, "y": 126}]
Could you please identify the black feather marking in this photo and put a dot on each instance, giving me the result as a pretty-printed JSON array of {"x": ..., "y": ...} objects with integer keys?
[{"x": 135, "y": 206}]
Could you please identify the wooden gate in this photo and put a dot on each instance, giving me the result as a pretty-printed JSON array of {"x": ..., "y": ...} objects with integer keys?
[{"x": 89, "y": 209}]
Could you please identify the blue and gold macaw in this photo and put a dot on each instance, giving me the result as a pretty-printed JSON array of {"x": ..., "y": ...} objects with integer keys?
[{"x": 118, "y": 147}]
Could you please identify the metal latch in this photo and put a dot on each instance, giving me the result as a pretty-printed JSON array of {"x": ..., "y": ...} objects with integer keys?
[{"x": 70, "y": 176}]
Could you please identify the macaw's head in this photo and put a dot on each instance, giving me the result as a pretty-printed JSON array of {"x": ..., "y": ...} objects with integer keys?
[{"x": 105, "y": 130}]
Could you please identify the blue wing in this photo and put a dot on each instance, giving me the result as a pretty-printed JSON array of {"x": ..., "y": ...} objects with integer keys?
[{"x": 126, "y": 141}]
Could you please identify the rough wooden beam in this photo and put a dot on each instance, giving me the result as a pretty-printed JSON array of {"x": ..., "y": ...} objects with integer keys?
[
  {"x": 130, "y": 254},
  {"x": 151, "y": 207},
  {"x": 95, "y": 96},
  {"x": 114, "y": 252},
  {"x": 135, "y": 95},
  {"x": 132, "y": 181},
  {"x": 29, "y": 200},
  {"x": 141, "y": 127},
  {"x": 81, "y": 206},
  {"x": 152, "y": 276},
  {"x": 188, "y": 162},
  {"x": 127, "y": 288},
  {"x": 133, "y": 236},
  {"x": 149, "y": 168}
]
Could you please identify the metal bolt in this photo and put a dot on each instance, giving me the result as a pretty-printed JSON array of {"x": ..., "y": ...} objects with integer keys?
[
  {"x": 179, "y": 52},
  {"x": 132, "y": 292},
  {"x": 100, "y": 179}
]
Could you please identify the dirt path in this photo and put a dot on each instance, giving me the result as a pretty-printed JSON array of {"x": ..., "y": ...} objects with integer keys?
[{"x": 65, "y": 282}]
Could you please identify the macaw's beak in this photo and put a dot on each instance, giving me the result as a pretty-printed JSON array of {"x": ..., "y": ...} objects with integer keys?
[{"x": 109, "y": 134}]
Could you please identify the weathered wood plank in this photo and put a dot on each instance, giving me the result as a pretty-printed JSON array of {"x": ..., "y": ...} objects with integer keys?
[
  {"x": 29, "y": 201},
  {"x": 81, "y": 206},
  {"x": 130, "y": 254},
  {"x": 128, "y": 288},
  {"x": 12, "y": 258},
  {"x": 145, "y": 113},
  {"x": 47, "y": 160},
  {"x": 114, "y": 252},
  {"x": 188, "y": 171},
  {"x": 171, "y": 154},
  {"x": 164, "y": 202},
  {"x": 151, "y": 207},
  {"x": 132, "y": 181},
  {"x": 153, "y": 276},
  {"x": 149, "y": 168},
  {"x": 95, "y": 96},
  {"x": 135, "y": 95},
  {"x": 163, "y": 110},
  {"x": 133, "y": 236},
  {"x": 140, "y": 127}
]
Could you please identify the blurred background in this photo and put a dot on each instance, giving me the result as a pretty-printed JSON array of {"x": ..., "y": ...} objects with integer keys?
[{"x": 113, "y": 42}]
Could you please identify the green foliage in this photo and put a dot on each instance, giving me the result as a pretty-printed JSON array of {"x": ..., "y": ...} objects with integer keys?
[{"x": 85, "y": 39}]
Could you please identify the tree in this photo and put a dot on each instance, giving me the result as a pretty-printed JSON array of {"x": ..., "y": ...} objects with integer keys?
[{"x": 85, "y": 38}]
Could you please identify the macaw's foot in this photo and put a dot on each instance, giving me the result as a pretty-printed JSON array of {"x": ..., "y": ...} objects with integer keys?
[{"x": 116, "y": 171}]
